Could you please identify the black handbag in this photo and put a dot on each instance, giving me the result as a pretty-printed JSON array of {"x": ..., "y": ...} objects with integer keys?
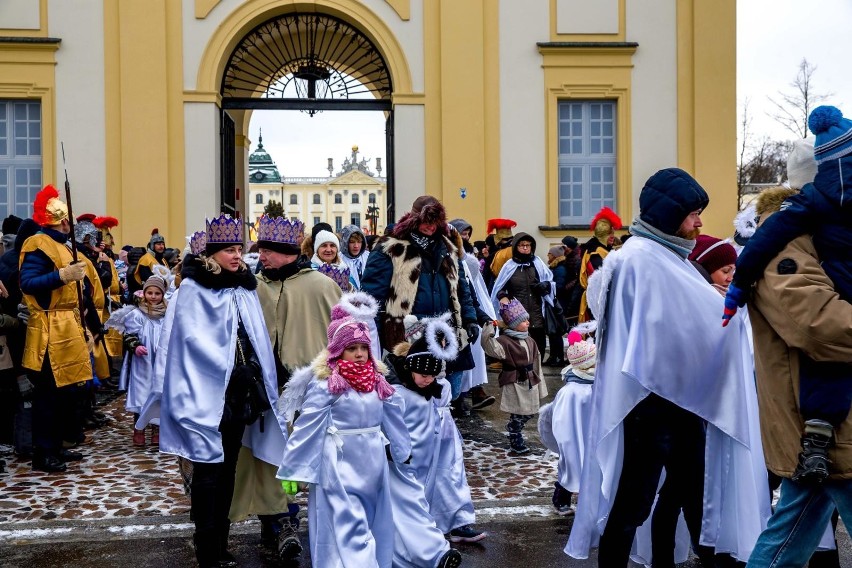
[
  {"x": 554, "y": 319},
  {"x": 245, "y": 399}
]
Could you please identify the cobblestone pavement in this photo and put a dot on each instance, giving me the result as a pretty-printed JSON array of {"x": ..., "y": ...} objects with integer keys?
[{"x": 119, "y": 481}]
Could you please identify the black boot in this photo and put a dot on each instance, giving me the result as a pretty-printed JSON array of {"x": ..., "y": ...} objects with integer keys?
[
  {"x": 289, "y": 545},
  {"x": 226, "y": 559},
  {"x": 44, "y": 461},
  {"x": 206, "y": 549},
  {"x": 813, "y": 460}
]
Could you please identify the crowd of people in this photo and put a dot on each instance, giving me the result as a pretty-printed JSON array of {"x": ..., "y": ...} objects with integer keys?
[{"x": 336, "y": 364}]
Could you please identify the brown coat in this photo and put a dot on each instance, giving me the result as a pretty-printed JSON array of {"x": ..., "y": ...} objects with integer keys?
[{"x": 792, "y": 313}]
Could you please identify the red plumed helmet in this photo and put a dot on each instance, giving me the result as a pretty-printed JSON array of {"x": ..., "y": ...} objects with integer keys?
[
  {"x": 48, "y": 209},
  {"x": 105, "y": 222},
  {"x": 495, "y": 224},
  {"x": 155, "y": 231},
  {"x": 86, "y": 217},
  {"x": 609, "y": 215}
]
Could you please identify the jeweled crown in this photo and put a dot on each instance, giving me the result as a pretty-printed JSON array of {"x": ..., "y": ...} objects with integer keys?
[
  {"x": 339, "y": 275},
  {"x": 198, "y": 242},
  {"x": 224, "y": 229},
  {"x": 280, "y": 230}
]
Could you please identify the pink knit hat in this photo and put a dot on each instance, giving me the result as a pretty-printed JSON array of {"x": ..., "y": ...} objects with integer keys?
[
  {"x": 580, "y": 352},
  {"x": 348, "y": 323}
]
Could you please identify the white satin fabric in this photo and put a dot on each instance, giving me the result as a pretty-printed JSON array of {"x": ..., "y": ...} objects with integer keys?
[
  {"x": 137, "y": 372},
  {"x": 447, "y": 491},
  {"x": 565, "y": 424},
  {"x": 660, "y": 331},
  {"x": 338, "y": 446},
  {"x": 418, "y": 542},
  {"x": 200, "y": 349},
  {"x": 150, "y": 412},
  {"x": 544, "y": 275},
  {"x": 479, "y": 374}
]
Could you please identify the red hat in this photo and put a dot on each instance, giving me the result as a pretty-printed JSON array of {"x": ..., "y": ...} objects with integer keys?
[
  {"x": 712, "y": 253},
  {"x": 606, "y": 214},
  {"x": 503, "y": 228}
]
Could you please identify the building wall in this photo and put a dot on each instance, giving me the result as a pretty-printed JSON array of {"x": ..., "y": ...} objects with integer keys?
[{"x": 132, "y": 90}]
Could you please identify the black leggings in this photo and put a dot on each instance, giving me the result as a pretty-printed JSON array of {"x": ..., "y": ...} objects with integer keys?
[{"x": 213, "y": 484}]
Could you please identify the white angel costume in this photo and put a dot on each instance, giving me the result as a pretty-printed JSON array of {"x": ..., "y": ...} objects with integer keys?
[
  {"x": 707, "y": 370},
  {"x": 479, "y": 374},
  {"x": 447, "y": 491},
  {"x": 338, "y": 447},
  {"x": 137, "y": 372}
]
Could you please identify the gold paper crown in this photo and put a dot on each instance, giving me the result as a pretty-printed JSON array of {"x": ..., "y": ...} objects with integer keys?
[
  {"x": 224, "y": 229},
  {"x": 280, "y": 230}
]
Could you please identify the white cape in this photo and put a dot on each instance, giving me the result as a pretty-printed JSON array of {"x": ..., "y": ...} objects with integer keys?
[{"x": 660, "y": 331}]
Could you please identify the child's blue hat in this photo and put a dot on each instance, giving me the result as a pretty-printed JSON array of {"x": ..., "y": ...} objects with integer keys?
[{"x": 833, "y": 133}]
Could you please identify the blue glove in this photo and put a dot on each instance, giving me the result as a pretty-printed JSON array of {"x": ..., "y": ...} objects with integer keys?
[{"x": 734, "y": 298}]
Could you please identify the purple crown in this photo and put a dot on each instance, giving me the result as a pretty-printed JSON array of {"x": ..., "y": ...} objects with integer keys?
[
  {"x": 224, "y": 229},
  {"x": 339, "y": 275},
  {"x": 280, "y": 230},
  {"x": 198, "y": 242}
]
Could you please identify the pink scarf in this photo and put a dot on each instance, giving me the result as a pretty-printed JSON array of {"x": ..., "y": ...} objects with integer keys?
[{"x": 363, "y": 377}]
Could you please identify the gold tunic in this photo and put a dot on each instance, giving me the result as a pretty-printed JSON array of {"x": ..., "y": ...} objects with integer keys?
[
  {"x": 148, "y": 260},
  {"x": 113, "y": 337},
  {"x": 58, "y": 330},
  {"x": 99, "y": 300}
]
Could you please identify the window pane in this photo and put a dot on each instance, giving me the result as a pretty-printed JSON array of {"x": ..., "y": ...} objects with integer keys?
[
  {"x": 577, "y": 147},
  {"x": 607, "y": 146},
  {"x": 596, "y": 146}
]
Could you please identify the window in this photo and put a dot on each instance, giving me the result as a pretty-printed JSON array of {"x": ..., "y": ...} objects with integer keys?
[
  {"x": 294, "y": 199},
  {"x": 294, "y": 219},
  {"x": 587, "y": 159},
  {"x": 338, "y": 223},
  {"x": 316, "y": 220},
  {"x": 258, "y": 199},
  {"x": 338, "y": 199},
  {"x": 316, "y": 199},
  {"x": 356, "y": 219},
  {"x": 20, "y": 156},
  {"x": 372, "y": 199},
  {"x": 355, "y": 199}
]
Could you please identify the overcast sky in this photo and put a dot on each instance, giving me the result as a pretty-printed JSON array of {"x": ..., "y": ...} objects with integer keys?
[{"x": 772, "y": 38}]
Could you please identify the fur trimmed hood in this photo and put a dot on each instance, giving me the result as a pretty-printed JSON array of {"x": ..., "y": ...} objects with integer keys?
[{"x": 770, "y": 200}]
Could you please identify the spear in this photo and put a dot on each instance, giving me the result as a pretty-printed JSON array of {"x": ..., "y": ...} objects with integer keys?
[{"x": 80, "y": 305}]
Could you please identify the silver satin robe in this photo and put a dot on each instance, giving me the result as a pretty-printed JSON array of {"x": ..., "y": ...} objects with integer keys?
[
  {"x": 200, "y": 348},
  {"x": 137, "y": 373},
  {"x": 447, "y": 491},
  {"x": 418, "y": 542},
  {"x": 338, "y": 446}
]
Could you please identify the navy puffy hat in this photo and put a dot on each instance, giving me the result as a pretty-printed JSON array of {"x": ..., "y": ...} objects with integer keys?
[
  {"x": 833, "y": 133},
  {"x": 668, "y": 197}
]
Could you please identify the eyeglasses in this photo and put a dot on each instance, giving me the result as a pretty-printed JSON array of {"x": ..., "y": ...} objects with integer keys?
[{"x": 524, "y": 245}]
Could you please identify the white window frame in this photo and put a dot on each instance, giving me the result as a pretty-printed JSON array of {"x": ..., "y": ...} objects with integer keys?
[{"x": 21, "y": 151}]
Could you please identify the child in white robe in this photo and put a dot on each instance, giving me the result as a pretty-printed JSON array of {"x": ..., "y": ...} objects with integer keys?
[{"x": 347, "y": 414}]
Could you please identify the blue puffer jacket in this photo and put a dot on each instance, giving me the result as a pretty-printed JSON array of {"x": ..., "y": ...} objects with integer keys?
[{"x": 822, "y": 209}]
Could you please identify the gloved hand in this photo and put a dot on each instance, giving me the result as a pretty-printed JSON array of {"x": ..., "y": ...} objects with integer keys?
[
  {"x": 26, "y": 388},
  {"x": 290, "y": 487},
  {"x": 734, "y": 298},
  {"x": 541, "y": 288},
  {"x": 23, "y": 313},
  {"x": 140, "y": 351},
  {"x": 472, "y": 332},
  {"x": 74, "y": 272}
]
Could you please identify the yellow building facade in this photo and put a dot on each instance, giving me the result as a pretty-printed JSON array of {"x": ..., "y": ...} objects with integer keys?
[{"x": 540, "y": 111}]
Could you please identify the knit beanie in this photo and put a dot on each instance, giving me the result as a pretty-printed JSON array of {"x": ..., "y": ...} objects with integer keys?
[
  {"x": 569, "y": 241},
  {"x": 155, "y": 282},
  {"x": 513, "y": 313},
  {"x": 348, "y": 323},
  {"x": 668, "y": 197},
  {"x": 712, "y": 253},
  {"x": 833, "y": 133},
  {"x": 11, "y": 224},
  {"x": 323, "y": 237},
  {"x": 556, "y": 252},
  {"x": 319, "y": 227},
  {"x": 801, "y": 165},
  {"x": 580, "y": 352}
]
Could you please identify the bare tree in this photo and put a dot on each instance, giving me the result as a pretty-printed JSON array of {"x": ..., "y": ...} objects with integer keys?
[
  {"x": 793, "y": 108},
  {"x": 745, "y": 136}
]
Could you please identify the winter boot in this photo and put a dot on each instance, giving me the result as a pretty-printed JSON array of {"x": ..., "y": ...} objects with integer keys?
[
  {"x": 480, "y": 399},
  {"x": 138, "y": 437},
  {"x": 459, "y": 409},
  {"x": 561, "y": 500},
  {"x": 206, "y": 549},
  {"x": 44, "y": 461},
  {"x": 813, "y": 460},
  {"x": 155, "y": 435},
  {"x": 451, "y": 559},
  {"x": 270, "y": 527},
  {"x": 517, "y": 445},
  {"x": 289, "y": 545},
  {"x": 225, "y": 558}
]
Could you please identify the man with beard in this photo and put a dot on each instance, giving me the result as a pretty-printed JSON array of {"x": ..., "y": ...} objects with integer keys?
[
  {"x": 154, "y": 255},
  {"x": 296, "y": 301},
  {"x": 666, "y": 374}
]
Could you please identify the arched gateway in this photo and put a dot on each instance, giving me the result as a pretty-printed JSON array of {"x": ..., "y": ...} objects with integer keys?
[{"x": 311, "y": 62}]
